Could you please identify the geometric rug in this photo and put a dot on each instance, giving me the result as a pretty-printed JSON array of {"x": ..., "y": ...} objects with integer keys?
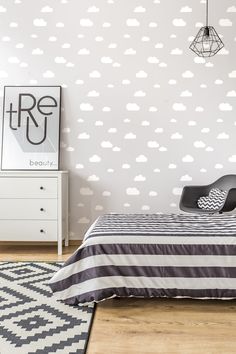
[{"x": 34, "y": 322}]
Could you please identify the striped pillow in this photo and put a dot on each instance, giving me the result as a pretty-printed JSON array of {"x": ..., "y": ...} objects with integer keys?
[{"x": 214, "y": 201}]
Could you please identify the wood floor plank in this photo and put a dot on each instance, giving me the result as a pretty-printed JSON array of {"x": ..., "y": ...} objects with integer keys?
[
  {"x": 165, "y": 326},
  {"x": 45, "y": 253}
]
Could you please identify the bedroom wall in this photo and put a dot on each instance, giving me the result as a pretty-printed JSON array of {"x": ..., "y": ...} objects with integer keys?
[{"x": 142, "y": 115}]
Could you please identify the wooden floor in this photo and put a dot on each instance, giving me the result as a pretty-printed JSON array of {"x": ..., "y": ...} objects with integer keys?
[{"x": 155, "y": 326}]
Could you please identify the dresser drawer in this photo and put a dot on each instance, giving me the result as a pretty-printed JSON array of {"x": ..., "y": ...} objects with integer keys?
[
  {"x": 35, "y": 209},
  {"x": 28, "y": 187},
  {"x": 20, "y": 230}
]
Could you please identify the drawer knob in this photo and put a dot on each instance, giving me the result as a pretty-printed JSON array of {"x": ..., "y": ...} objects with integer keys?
[
  {"x": 41, "y": 188},
  {"x": 41, "y": 230},
  {"x": 41, "y": 209}
]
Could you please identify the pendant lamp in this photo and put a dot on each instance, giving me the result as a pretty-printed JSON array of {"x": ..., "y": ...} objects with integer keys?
[{"x": 207, "y": 42}]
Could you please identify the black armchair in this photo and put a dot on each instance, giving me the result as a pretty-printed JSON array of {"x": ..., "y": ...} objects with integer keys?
[{"x": 191, "y": 194}]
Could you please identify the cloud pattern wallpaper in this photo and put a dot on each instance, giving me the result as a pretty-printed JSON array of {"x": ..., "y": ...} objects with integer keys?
[{"x": 142, "y": 115}]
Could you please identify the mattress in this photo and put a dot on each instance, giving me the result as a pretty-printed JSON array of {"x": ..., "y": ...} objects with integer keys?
[{"x": 152, "y": 255}]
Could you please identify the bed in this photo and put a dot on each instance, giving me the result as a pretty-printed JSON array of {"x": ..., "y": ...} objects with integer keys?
[{"x": 151, "y": 255}]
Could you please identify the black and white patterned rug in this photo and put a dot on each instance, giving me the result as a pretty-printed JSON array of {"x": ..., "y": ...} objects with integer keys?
[{"x": 31, "y": 320}]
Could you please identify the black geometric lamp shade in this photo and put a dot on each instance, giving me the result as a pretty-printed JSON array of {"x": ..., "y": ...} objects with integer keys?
[{"x": 207, "y": 42}]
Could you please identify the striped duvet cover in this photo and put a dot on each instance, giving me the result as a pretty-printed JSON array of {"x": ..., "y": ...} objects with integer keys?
[{"x": 153, "y": 255}]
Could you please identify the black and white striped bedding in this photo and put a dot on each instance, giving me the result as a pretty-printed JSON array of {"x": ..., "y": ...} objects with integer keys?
[{"x": 153, "y": 255}]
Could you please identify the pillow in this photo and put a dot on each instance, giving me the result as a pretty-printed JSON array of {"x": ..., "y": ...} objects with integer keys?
[{"x": 214, "y": 201}]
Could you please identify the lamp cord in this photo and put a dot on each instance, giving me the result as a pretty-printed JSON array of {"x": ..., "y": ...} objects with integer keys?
[{"x": 206, "y": 13}]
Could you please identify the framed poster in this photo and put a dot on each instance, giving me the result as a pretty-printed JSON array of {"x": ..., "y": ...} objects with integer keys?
[{"x": 31, "y": 128}]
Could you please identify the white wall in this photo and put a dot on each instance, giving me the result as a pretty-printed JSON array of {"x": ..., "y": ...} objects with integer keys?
[{"x": 142, "y": 115}]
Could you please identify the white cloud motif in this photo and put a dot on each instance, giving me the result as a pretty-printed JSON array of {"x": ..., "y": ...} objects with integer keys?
[
  {"x": 176, "y": 136},
  {"x": 141, "y": 74},
  {"x": 152, "y": 194},
  {"x": 231, "y": 93},
  {"x": 37, "y": 51},
  {"x": 177, "y": 191},
  {"x": 47, "y": 9},
  {"x": 93, "y": 9},
  {"x": 84, "y": 136},
  {"x": 112, "y": 46},
  {"x": 231, "y": 9},
  {"x": 39, "y": 22},
  {"x": 106, "y": 109},
  {"x": 93, "y": 178},
  {"x": 188, "y": 74},
  {"x": 159, "y": 45},
  {"x": 205, "y": 130},
  {"x": 130, "y": 51},
  {"x": 86, "y": 22},
  {"x": 132, "y": 22},
  {"x": 152, "y": 144},
  {"x": 132, "y": 191},
  {"x": 152, "y": 109},
  {"x": 186, "y": 93},
  {"x": 60, "y": 60},
  {"x": 186, "y": 178},
  {"x": 139, "y": 178},
  {"x": 153, "y": 60},
  {"x": 48, "y": 74},
  {"x": 199, "y": 144},
  {"x": 232, "y": 75},
  {"x": 187, "y": 158},
  {"x": 2, "y": 9},
  {"x": 86, "y": 107},
  {"x": 225, "y": 107},
  {"x": 130, "y": 136},
  {"x": 126, "y": 166},
  {"x": 225, "y": 22},
  {"x": 13, "y": 60},
  {"x": 106, "y": 194},
  {"x": 199, "y": 109},
  {"x": 139, "y": 94},
  {"x": 152, "y": 25},
  {"x": 95, "y": 158},
  {"x": 106, "y": 60},
  {"x": 95, "y": 74},
  {"x": 139, "y": 9},
  {"x": 199, "y": 60},
  {"x": 132, "y": 107},
  {"x": 141, "y": 158},
  {"x": 86, "y": 191},
  {"x": 232, "y": 158},
  {"x": 223, "y": 51},
  {"x": 83, "y": 51},
  {"x": 60, "y": 24},
  {"x": 223, "y": 136},
  {"x": 106, "y": 144},
  {"x": 106, "y": 25},
  {"x": 186, "y": 9},
  {"x": 179, "y": 22},
  {"x": 159, "y": 130},
  {"x": 93, "y": 93},
  {"x": 179, "y": 107},
  {"x": 84, "y": 220},
  {"x": 176, "y": 51}
]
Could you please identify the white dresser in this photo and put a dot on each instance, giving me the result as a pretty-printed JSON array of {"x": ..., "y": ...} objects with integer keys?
[{"x": 34, "y": 206}]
